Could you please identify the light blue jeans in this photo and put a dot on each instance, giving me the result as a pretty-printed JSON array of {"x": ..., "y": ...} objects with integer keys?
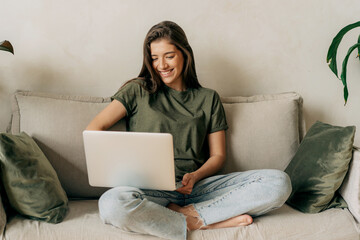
[{"x": 216, "y": 199}]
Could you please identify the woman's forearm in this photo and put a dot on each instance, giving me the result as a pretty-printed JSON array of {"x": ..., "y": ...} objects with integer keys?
[
  {"x": 108, "y": 117},
  {"x": 210, "y": 167},
  {"x": 217, "y": 156}
]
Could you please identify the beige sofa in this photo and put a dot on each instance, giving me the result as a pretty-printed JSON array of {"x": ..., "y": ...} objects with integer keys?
[{"x": 264, "y": 132}]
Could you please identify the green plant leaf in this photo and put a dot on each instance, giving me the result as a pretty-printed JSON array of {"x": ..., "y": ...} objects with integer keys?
[
  {"x": 343, "y": 71},
  {"x": 6, "y": 46},
  {"x": 358, "y": 48},
  {"x": 331, "y": 56}
]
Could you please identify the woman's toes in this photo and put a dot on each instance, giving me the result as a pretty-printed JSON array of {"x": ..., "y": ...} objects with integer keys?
[{"x": 244, "y": 220}]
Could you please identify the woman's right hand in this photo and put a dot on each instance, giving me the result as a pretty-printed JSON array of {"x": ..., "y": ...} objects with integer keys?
[{"x": 188, "y": 183}]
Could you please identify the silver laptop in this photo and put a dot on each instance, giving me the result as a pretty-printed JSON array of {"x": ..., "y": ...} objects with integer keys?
[{"x": 142, "y": 160}]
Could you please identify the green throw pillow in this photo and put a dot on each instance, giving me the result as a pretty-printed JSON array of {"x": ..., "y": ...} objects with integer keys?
[
  {"x": 319, "y": 167},
  {"x": 30, "y": 182}
]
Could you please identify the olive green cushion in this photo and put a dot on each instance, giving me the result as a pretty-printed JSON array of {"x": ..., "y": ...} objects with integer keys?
[
  {"x": 30, "y": 182},
  {"x": 319, "y": 167}
]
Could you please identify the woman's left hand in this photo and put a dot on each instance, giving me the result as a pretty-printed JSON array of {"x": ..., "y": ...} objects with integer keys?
[{"x": 188, "y": 182}]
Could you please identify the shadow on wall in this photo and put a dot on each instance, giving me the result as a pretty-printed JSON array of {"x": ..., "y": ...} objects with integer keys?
[{"x": 313, "y": 114}]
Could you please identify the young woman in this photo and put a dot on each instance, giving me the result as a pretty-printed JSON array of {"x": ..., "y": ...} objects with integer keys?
[{"x": 167, "y": 97}]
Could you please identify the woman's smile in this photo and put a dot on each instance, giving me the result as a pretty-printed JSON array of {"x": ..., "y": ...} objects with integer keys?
[
  {"x": 168, "y": 62},
  {"x": 167, "y": 73}
]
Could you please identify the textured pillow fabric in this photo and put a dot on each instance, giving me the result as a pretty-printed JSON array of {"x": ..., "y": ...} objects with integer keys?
[
  {"x": 264, "y": 131},
  {"x": 30, "y": 182},
  {"x": 319, "y": 167}
]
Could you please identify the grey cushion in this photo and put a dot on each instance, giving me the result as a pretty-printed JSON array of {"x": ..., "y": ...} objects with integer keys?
[{"x": 264, "y": 130}]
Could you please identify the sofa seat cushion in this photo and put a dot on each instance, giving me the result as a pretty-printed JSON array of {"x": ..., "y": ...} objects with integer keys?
[{"x": 83, "y": 223}]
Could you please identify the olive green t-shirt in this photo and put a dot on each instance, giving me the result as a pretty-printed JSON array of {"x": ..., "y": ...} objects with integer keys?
[{"x": 188, "y": 115}]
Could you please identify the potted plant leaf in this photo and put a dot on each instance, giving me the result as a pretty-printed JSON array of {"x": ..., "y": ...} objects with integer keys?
[
  {"x": 331, "y": 56},
  {"x": 6, "y": 46}
]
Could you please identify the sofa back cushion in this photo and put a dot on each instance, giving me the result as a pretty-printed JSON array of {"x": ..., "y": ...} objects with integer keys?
[
  {"x": 56, "y": 123},
  {"x": 264, "y": 132}
]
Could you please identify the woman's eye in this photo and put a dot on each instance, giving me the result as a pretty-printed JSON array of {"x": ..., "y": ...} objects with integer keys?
[
  {"x": 170, "y": 57},
  {"x": 154, "y": 59}
]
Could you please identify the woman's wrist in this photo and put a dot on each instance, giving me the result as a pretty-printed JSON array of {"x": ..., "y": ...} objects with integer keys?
[
  {"x": 212, "y": 166},
  {"x": 197, "y": 175}
]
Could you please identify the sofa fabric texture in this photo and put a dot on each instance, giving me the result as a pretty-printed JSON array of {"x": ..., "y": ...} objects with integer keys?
[
  {"x": 286, "y": 223},
  {"x": 45, "y": 117},
  {"x": 350, "y": 189},
  {"x": 264, "y": 132},
  {"x": 56, "y": 123},
  {"x": 30, "y": 182}
]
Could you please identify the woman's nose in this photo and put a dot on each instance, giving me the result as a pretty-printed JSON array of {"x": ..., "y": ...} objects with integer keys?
[{"x": 163, "y": 64}]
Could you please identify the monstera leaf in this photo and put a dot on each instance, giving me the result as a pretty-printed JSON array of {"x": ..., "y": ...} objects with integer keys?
[
  {"x": 331, "y": 56},
  {"x": 6, "y": 46}
]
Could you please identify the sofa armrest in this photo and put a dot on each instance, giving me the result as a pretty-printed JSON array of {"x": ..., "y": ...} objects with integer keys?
[{"x": 350, "y": 189}]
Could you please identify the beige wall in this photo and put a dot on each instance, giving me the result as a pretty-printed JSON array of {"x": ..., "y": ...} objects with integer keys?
[{"x": 242, "y": 47}]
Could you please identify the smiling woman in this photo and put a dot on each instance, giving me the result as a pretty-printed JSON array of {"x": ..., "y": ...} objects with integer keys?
[
  {"x": 168, "y": 62},
  {"x": 167, "y": 98},
  {"x": 175, "y": 36}
]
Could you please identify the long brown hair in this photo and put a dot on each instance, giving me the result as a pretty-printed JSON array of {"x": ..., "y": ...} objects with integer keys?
[{"x": 176, "y": 36}]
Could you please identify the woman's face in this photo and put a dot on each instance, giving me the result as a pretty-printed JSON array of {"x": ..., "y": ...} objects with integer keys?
[{"x": 168, "y": 62}]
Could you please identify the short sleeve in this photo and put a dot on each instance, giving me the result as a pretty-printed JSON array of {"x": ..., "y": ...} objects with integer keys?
[
  {"x": 218, "y": 118},
  {"x": 128, "y": 95}
]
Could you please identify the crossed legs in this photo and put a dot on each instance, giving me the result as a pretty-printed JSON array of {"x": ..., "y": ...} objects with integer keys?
[
  {"x": 230, "y": 200},
  {"x": 216, "y": 202},
  {"x": 194, "y": 222}
]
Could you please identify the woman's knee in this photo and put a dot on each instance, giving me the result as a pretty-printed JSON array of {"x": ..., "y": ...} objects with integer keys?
[
  {"x": 115, "y": 205},
  {"x": 281, "y": 185}
]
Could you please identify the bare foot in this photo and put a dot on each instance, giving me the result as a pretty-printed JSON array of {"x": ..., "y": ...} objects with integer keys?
[
  {"x": 194, "y": 222},
  {"x": 241, "y": 220},
  {"x": 174, "y": 207}
]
